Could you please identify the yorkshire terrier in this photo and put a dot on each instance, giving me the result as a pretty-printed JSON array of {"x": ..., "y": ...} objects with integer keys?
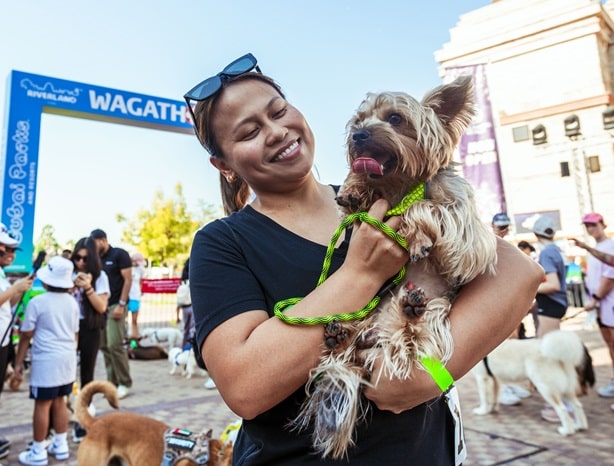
[{"x": 396, "y": 144}]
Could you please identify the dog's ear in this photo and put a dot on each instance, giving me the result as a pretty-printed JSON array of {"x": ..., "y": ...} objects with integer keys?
[{"x": 453, "y": 104}]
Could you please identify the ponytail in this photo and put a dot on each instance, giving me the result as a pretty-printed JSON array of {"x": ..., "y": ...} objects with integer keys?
[{"x": 235, "y": 194}]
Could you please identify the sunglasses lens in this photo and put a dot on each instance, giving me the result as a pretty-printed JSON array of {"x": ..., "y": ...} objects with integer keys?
[
  {"x": 205, "y": 89},
  {"x": 241, "y": 65}
]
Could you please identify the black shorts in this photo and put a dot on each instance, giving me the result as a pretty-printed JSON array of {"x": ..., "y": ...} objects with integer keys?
[
  {"x": 50, "y": 393},
  {"x": 601, "y": 324},
  {"x": 549, "y": 308}
]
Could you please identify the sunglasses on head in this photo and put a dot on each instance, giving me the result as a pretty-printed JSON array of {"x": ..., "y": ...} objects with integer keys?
[{"x": 212, "y": 85}]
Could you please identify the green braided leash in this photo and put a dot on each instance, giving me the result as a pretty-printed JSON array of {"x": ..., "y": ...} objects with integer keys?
[{"x": 416, "y": 194}]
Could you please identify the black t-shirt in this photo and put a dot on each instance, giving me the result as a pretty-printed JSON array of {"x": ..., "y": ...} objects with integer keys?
[
  {"x": 247, "y": 261},
  {"x": 113, "y": 261}
]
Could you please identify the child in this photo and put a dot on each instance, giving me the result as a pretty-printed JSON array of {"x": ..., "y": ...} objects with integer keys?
[{"x": 52, "y": 322}]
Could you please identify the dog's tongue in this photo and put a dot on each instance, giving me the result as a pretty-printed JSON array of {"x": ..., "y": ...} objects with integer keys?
[{"x": 368, "y": 166}]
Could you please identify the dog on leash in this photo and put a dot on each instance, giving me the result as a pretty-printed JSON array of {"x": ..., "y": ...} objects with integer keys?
[
  {"x": 397, "y": 147},
  {"x": 552, "y": 364},
  {"x": 131, "y": 439},
  {"x": 184, "y": 362},
  {"x": 168, "y": 335}
]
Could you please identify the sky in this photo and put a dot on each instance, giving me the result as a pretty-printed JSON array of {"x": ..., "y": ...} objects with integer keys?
[{"x": 326, "y": 54}]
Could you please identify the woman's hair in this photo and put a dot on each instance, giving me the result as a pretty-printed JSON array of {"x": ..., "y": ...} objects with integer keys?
[
  {"x": 93, "y": 264},
  {"x": 526, "y": 245},
  {"x": 235, "y": 193}
]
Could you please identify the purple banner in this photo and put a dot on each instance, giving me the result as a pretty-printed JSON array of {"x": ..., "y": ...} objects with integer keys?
[{"x": 478, "y": 150}]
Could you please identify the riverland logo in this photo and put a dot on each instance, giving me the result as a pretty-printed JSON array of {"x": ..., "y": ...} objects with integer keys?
[{"x": 48, "y": 92}]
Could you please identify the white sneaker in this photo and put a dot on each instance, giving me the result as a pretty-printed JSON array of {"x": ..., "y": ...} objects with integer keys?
[
  {"x": 32, "y": 458},
  {"x": 607, "y": 391},
  {"x": 122, "y": 391},
  {"x": 59, "y": 451},
  {"x": 519, "y": 391},
  {"x": 209, "y": 384},
  {"x": 507, "y": 396}
]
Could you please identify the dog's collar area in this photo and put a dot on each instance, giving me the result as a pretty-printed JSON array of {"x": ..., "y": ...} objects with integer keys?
[
  {"x": 180, "y": 444},
  {"x": 417, "y": 193}
]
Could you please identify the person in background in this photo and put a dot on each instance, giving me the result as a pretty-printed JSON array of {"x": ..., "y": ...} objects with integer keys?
[
  {"x": 273, "y": 248},
  {"x": 501, "y": 224},
  {"x": 552, "y": 292},
  {"x": 184, "y": 306},
  {"x": 509, "y": 395},
  {"x": 527, "y": 248},
  {"x": 10, "y": 294},
  {"x": 117, "y": 264},
  {"x": 134, "y": 295},
  {"x": 66, "y": 253},
  {"x": 92, "y": 294},
  {"x": 599, "y": 284},
  {"x": 52, "y": 323}
]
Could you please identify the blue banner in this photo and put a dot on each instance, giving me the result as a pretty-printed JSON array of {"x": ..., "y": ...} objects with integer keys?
[{"x": 29, "y": 95}]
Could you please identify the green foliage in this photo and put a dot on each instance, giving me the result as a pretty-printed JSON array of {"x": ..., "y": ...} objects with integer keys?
[
  {"x": 164, "y": 231},
  {"x": 47, "y": 242}
]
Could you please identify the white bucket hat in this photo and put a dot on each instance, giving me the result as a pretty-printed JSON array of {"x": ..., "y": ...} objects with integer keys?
[
  {"x": 57, "y": 272},
  {"x": 6, "y": 238}
]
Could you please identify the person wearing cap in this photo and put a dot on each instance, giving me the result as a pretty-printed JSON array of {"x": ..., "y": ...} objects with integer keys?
[
  {"x": 51, "y": 323},
  {"x": 552, "y": 293},
  {"x": 117, "y": 264},
  {"x": 501, "y": 224},
  {"x": 599, "y": 283},
  {"x": 10, "y": 294}
]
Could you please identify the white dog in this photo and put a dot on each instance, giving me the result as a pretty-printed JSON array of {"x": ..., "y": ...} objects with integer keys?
[
  {"x": 168, "y": 335},
  {"x": 185, "y": 361},
  {"x": 552, "y": 364}
]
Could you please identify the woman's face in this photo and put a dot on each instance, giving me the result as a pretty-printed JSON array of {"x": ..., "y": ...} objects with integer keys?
[
  {"x": 80, "y": 260},
  {"x": 263, "y": 138}
]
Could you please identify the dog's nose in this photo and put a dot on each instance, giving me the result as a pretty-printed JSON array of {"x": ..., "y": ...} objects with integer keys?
[{"x": 361, "y": 136}]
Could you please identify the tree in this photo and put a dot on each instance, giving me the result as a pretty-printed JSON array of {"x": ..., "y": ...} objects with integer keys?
[
  {"x": 47, "y": 242},
  {"x": 164, "y": 232}
]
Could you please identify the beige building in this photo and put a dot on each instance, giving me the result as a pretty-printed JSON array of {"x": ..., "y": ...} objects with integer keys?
[{"x": 550, "y": 72}]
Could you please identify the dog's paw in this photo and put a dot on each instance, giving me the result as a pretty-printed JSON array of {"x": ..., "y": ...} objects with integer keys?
[
  {"x": 335, "y": 334},
  {"x": 348, "y": 201},
  {"x": 481, "y": 411},
  {"x": 565, "y": 432},
  {"x": 413, "y": 300}
]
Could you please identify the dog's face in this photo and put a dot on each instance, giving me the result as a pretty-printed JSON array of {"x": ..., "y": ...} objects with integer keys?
[{"x": 394, "y": 135}]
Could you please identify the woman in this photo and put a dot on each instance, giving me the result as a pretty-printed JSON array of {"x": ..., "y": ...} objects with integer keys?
[
  {"x": 134, "y": 295},
  {"x": 92, "y": 294},
  {"x": 273, "y": 249}
]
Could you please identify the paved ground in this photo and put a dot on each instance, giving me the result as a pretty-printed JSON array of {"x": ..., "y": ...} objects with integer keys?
[{"x": 516, "y": 435}]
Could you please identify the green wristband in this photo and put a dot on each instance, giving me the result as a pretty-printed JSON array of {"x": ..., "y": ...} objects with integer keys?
[{"x": 438, "y": 372}]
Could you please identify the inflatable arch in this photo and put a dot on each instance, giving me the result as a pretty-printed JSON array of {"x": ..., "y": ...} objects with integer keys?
[{"x": 28, "y": 96}]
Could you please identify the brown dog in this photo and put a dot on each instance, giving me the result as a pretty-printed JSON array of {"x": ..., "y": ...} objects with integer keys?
[{"x": 130, "y": 439}]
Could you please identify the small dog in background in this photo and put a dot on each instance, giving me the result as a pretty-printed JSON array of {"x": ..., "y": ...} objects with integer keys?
[
  {"x": 170, "y": 336},
  {"x": 552, "y": 363},
  {"x": 398, "y": 146},
  {"x": 132, "y": 439},
  {"x": 184, "y": 361}
]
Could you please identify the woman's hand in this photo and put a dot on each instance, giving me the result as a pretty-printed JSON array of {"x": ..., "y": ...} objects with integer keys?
[
  {"x": 83, "y": 280},
  {"x": 374, "y": 253}
]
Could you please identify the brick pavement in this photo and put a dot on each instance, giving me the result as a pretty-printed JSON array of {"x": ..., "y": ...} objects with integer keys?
[{"x": 515, "y": 436}]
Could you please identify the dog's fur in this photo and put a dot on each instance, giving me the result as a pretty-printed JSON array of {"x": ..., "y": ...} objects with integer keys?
[
  {"x": 147, "y": 352},
  {"x": 184, "y": 361},
  {"x": 394, "y": 143},
  {"x": 552, "y": 364},
  {"x": 129, "y": 439},
  {"x": 168, "y": 335}
]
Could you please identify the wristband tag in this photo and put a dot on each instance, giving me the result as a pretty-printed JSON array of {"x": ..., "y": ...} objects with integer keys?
[{"x": 460, "y": 447}]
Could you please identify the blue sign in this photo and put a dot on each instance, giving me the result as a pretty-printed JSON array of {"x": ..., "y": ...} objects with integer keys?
[{"x": 29, "y": 95}]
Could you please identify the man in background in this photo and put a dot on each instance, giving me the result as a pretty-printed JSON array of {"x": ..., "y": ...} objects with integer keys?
[{"x": 117, "y": 264}]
